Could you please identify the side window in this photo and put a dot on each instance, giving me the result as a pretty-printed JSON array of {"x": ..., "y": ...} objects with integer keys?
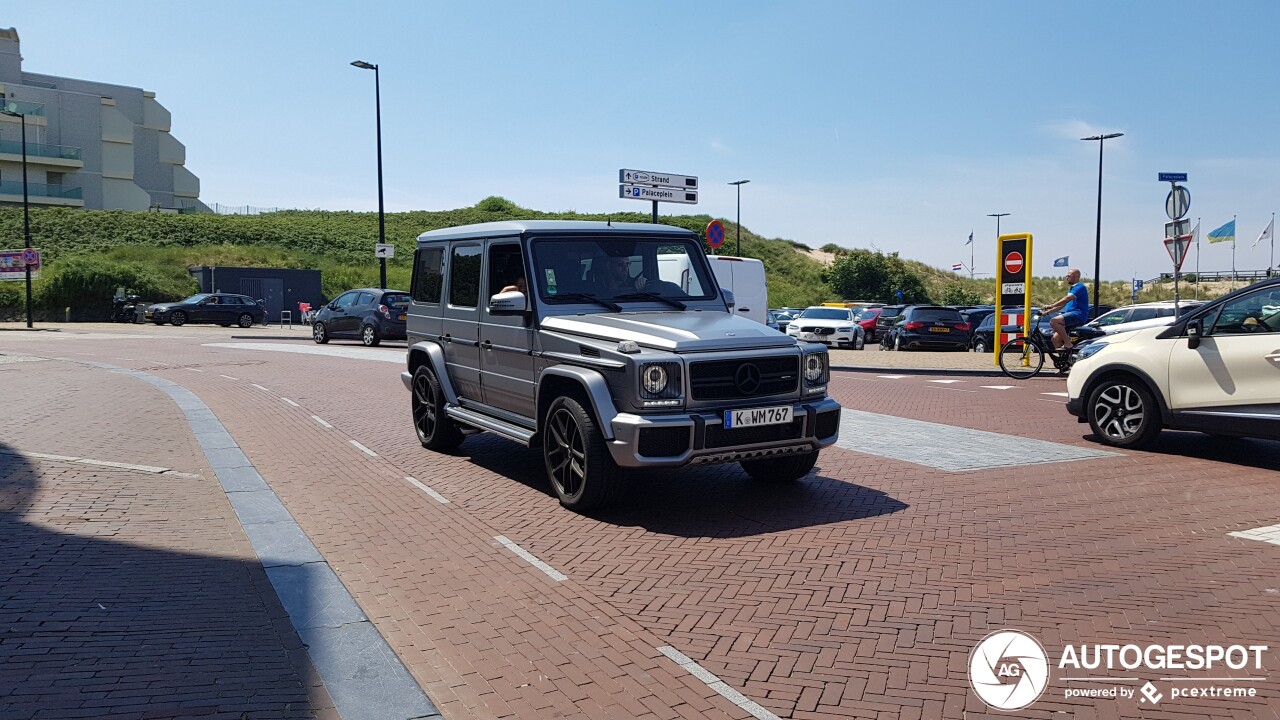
[
  {"x": 1142, "y": 314},
  {"x": 364, "y": 299},
  {"x": 1255, "y": 313},
  {"x": 464, "y": 276},
  {"x": 345, "y": 300},
  {"x": 506, "y": 268},
  {"x": 428, "y": 275},
  {"x": 1113, "y": 318}
]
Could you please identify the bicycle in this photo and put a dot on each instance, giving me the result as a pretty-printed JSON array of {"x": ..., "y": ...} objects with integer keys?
[{"x": 1023, "y": 356}]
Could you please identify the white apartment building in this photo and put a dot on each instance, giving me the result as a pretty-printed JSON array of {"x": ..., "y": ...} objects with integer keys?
[{"x": 89, "y": 144}]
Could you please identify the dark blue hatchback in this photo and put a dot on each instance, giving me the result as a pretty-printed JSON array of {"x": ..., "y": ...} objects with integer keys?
[{"x": 369, "y": 315}]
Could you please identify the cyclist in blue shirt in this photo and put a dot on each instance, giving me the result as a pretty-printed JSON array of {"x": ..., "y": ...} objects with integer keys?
[{"x": 1075, "y": 310}]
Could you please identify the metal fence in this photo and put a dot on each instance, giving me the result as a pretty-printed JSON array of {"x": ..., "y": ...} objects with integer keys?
[
  {"x": 221, "y": 209},
  {"x": 1214, "y": 276}
]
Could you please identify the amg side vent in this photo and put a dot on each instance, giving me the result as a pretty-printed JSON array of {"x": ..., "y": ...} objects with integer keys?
[{"x": 588, "y": 351}]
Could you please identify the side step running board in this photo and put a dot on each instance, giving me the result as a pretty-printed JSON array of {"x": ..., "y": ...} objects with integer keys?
[{"x": 484, "y": 422}]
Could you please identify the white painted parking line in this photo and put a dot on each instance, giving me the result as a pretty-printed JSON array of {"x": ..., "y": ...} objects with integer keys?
[
  {"x": 1268, "y": 534},
  {"x": 193, "y": 370},
  {"x": 1058, "y": 394},
  {"x": 945, "y": 382},
  {"x": 228, "y": 377},
  {"x": 892, "y": 377},
  {"x": 290, "y": 402},
  {"x": 363, "y": 449},
  {"x": 260, "y": 387},
  {"x": 320, "y": 420},
  {"x": 528, "y": 557},
  {"x": 434, "y": 495},
  {"x": 999, "y": 387},
  {"x": 717, "y": 684}
]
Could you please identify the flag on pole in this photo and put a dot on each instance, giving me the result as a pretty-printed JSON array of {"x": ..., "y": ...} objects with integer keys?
[
  {"x": 957, "y": 266},
  {"x": 970, "y": 242},
  {"x": 1062, "y": 261},
  {"x": 1266, "y": 233},
  {"x": 1195, "y": 234},
  {"x": 1226, "y": 233}
]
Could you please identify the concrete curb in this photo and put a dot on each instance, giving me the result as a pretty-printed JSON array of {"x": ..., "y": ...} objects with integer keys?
[{"x": 993, "y": 372}]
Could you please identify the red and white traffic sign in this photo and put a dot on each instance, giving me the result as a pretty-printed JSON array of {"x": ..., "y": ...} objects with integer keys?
[
  {"x": 30, "y": 256},
  {"x": 1013, "y": 262},
  {"x": 1177, "y": 248}
]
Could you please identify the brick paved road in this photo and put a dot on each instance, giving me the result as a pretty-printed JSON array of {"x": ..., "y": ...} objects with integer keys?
[{"x": 858, "y": 592}]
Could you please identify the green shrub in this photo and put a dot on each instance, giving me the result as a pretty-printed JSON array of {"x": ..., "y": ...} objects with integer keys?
[{"x": 88, "y": 284}]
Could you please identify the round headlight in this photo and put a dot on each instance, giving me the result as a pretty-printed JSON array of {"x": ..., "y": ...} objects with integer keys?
[
  {"x": 813, "y": 367},
  {"x": 654, "y": 378},
  {"x": 846, "y": 328}
]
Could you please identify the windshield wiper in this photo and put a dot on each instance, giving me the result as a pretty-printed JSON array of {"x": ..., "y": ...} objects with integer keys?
[
  {"x": 591, "y": 298},
  {"x": 651, "y": 296}
]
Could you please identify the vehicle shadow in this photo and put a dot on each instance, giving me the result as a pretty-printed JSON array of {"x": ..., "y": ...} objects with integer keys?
[
  {"x": 716, "y": 501},
  {"x": 96, "y": 627},
  {"x": 1247, "y": 452}
]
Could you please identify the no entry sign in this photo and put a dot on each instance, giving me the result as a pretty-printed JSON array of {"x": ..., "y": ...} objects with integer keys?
[{"x": 1013, "y": 262}]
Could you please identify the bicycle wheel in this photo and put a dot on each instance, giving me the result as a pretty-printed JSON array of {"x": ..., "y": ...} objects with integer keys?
[{"x": 1021, "y": 359}]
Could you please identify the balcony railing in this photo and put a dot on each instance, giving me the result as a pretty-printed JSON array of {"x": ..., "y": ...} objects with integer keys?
[
  {"x": 63, "y": 152},
  {"x": 14, "y": 187},
  {"x": 25, "y": 108}
]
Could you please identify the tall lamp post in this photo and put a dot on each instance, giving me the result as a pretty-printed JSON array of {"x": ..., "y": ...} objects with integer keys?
[
  {"x": 997, "y": 216},
  {"x": 382, "y": 229},
  {"x": 26, "y": 204},
  {"x": 739, "y": 184},
  {"x": 1097, "y": 248}
]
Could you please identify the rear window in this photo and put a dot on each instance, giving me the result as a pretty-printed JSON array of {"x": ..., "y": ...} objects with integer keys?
[
  {"x": 930, "y": 315},
  {"x": 397, "y": 299}
]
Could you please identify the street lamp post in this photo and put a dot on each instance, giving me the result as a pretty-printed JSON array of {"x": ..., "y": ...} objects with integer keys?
[
  {"x": 739, "y": 184},
  {"x": 997, "y": 216},
  {"x": 1097, "y": 248},
  {"x": 26, "y": 204},
  {"x": 382, "y": 229}
]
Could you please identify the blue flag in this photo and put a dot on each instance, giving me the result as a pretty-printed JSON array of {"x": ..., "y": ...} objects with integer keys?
[
  {"x": 1062, "y": 261},
  {"x": 1226, "y": 233},
  {"x": 970, "y": 239}
]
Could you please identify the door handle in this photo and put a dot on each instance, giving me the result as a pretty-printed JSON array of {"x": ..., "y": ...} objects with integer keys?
[
  {"x": 744, "y": 309},
  {"x": 446, "y": 338},
  {"x": 1273, "y": 357},
  {"x": 487, "y": 345}
]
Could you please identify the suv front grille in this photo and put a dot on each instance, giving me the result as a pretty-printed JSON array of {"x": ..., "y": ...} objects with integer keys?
[
  {"x": 817, "y": 330},
  {"x": 718, "y": 436},
  {"x": 733, "y": 379}
]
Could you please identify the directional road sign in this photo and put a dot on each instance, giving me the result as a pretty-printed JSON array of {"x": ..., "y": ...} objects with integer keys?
[
  {"x": 384, "y": 250},
  {"x": 1178, "y": 202},
  {"x": 661, "y": 194},
  {"x": 644, "y": 177}
]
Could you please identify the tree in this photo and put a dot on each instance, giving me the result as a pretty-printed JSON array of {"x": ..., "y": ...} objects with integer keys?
[
  {"x": 875, "y": 277},
  {"x": 955, "y": 293}
]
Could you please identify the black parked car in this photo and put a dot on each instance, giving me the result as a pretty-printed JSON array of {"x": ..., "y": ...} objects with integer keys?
[
  {"x": 930, "y": 327},
  {"x": 885, "y": 320},
  {"x": 983, "y": 338},
  {"x": 976, "y": 314},
  {"x": 217, "y": 308},
  {"x": 370, "y": 315}
]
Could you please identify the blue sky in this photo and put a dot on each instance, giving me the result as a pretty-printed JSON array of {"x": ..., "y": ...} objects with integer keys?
[{"x": 897, "y": 125}]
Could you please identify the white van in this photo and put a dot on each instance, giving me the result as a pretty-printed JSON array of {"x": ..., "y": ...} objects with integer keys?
[{"x": 743, "y": 277}]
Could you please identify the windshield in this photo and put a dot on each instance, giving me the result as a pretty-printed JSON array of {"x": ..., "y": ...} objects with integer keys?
[
  {"x": 621, "y": 270},
  {"x": 196, "y": 298},
  {"x": 936, "y": 315},
  {"x": 825, "y": 314},
  {"x": 869, "y": 314}
]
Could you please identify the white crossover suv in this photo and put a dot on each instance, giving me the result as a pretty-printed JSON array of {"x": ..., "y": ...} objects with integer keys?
[
  {"x": 1216, "y": 370},
  {"x": 833, "y": 326}
]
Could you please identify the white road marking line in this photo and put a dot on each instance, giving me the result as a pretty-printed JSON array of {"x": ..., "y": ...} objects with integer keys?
[
  {"x": 956, "y": 389},
  {"x": 363, "y": 449},
  {"x": 434, "y": 495},
  {"x": 528, "y": 557},
  {"x": 193, "y": 370},
  {"x": 260, "y": 387},
  {"x": 945, "y": 382},
  {"x": 108, "y": 463},
  {"x": 717, "y": 684},
  {"x": 158, "y": 362},
  {"x": 290, "y": 402},
  {"x": 228, "y": 377},
  {"x": 1268, "y": 534},
  {"x": 354, "y": 353},
  {"x": 999, "y": 387},
  {"x": 892, "y": 377},
  {"x": 1056, "y": 394},
  {"x": 46, "y": 456},
  {"x": 320, "y": 420}
]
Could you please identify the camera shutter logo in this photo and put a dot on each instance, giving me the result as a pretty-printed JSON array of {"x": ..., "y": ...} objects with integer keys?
[{"x": 1009, "y": 670}]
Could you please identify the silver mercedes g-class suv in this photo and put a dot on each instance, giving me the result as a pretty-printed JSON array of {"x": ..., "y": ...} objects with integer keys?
[{"x": 609, "y": 346}]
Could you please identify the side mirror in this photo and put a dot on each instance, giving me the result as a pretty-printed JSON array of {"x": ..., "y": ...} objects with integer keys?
[
  {"x": 513, "y": 302},
  {"x": 1194, "y": 331},
  {"x": 728, "y": 297}
]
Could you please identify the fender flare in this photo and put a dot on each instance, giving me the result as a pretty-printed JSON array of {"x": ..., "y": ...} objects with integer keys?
[
  {"x": 597, "y": 390},
  {"x": 430, "y": 352}
]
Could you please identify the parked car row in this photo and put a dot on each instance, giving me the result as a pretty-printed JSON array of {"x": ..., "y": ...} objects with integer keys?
[{"x": 216, "y": 308}]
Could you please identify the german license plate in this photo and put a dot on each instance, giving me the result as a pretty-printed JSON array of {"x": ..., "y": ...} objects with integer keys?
[
  {"x": 809, "y": 336},
  {"x": 939, "y": 329},
  {"x": 753, "y": 417}
]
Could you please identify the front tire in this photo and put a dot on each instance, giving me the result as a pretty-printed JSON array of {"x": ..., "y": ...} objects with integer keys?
[
  {"x": 1020, "y": 359},
  {"x": 860, "y": 342},
  {"x": 178, "y": 318},
  {"x": 319, "y": 333},
  {"x": 369, "y": 336},
  {"x": 579, "y": 466},
  {"x": 245, "y": 320},
  {"x": 435, "y": 430},
  {"x": 897, "y": 343},
  {"x": 1123, "y": 413},
  {"x": 980, "y": 346},
  {"x": 784, "y": 469}
]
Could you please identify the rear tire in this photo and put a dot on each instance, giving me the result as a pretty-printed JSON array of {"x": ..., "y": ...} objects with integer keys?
[
  {"x": 245, "y": 320},
  {"x": 1123, "y": 413},
  {"x": 435, "y": 430},
  {"x": 369, "y": 336},
  {"x": 579, "y": 466},
  {"x": 1014, "y": 353},
  {"x": 780, "y": 469},
  {"x": 980, "y": 346}
]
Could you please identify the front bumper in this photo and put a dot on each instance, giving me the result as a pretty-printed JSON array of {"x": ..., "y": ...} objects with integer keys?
[
  {"x": 698, "y": 438},
  {"x": 1075, "y": 406}
]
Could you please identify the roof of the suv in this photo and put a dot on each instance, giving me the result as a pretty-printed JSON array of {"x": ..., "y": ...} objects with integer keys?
[{"x": 516, "y": 227}]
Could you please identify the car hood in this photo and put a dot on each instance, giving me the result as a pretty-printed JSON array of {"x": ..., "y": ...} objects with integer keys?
[
  {"x": 162, "y": 306},
  {"x": 672, "y": 331}
]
